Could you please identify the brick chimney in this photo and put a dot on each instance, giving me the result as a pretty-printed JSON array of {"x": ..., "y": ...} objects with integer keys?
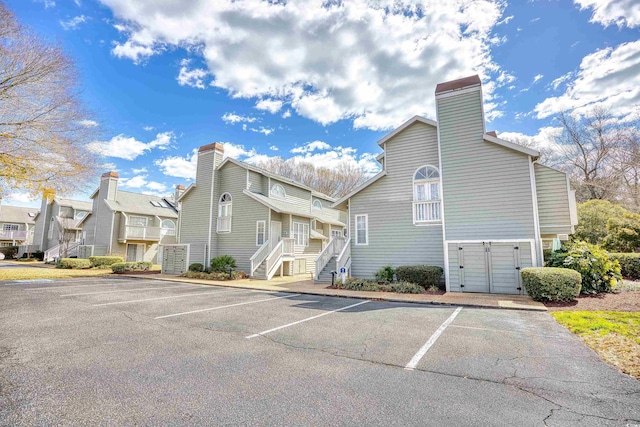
[
  {"x": 109, "y": 185},
  {"x": 178, "y": 192}
]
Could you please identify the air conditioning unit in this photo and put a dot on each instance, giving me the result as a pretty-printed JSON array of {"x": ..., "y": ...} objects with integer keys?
[{"x": 563, "y": 237}]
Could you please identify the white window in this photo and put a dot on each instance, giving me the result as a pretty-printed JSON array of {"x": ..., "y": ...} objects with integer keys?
[
  {"x": 426, "y": 195},
  {"x": 301, "y": 234},
  {"x": 260, "y": 232},
  {"x": 140, "y": 221},
  {"x": 5, "y": 244},
  {"x": 317, "y": 204},
  {"x": 278, "y": 192},
  {"x": 168, "y": 227},
  {"x": 51, "y": 227},
  {"x": 10, "y": 227},
  {"x": 80, "y": 214},
  {"x": 336, "y": 233},
  {"x": 362, "y": 229},
  {"x": 224, "y": 207}
]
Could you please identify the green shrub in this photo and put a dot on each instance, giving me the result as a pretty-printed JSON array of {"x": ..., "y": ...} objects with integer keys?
[
  {"x": 223, "y": 263},
  {"x": 629, "y": 264},
  {"x": 406, "y": 288},
  {"x": 197, "y": 267},
  {"x": 623, "y": 233},
  {"x": 124, "y": 267},
  {"x": 104, "y": 261},
  {"x": 423, "y": 275},
  {"x": 599, "y": 272},
  {"x": 359, "y": 285},
  {"x": 551, "y": 284},
  {"x": 216, "y": 275},
  {"x": 371, "y": 286},
  {"x": 385, "y": 274},
  {"x": 546, "y": 254},
  {"x": 73, "y": 263},
  {"x": 10, "y": 252}
]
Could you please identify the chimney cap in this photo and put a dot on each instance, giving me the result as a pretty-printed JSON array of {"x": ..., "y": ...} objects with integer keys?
[
  {"x": 179, "y": 187},
  {"x": 213, "y": 146},
  {"x": 492, "y": 133},
  {"x": 112, "y": 174},
  {"x": 458, "y": 84}
]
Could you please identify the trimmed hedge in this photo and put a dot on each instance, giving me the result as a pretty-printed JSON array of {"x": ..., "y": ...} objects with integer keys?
[
  {"x": 423, "y": 275},
  {"x": 104, "y": 261},
  {"x": 124, "y": 267},
  {"x": 370, "y": 285},
  {"x": 629, "y": 264},
  {"x": 73, "y": 263},
  {"x": 551, "y": 283},
  {"x": 215, "y": 275},
  {"x": 197, "y": 267}
]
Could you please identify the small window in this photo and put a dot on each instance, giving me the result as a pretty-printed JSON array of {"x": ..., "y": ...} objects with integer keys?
[
  {"x": 51, "y": 226},
  {"x": 140, "y": 221},
  {"x": 277, "y": 191},
  {"x": 301, "y": 234},
  {"x": 156, "y": 204},
  {"x": 80, "y": 214},
  {"x": 426, "y": 195},
  {"x": 10, "y": 227},
  {"x": 168, "y": 227},
  {"x": 260, "y": 232},
  {"x": 317, "y": 204},
  {"x": 224, "y": 207},
  {"x": 362, "y": 229}
]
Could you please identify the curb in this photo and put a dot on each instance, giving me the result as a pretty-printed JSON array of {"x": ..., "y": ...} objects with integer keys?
[{"x": 382, "y": 298}]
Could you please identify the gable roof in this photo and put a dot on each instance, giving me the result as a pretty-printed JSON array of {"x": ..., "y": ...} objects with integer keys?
[
  {"x": 359, "y": 188},
  {"x": 17, "y": 214},
  {"x": 326, "y": 215},
  {"x": 137, "y": 203},
  {"x": 512, "y": 146},
  {"x": 405, "y": 125},
  {"x": 75, "y": 204}
]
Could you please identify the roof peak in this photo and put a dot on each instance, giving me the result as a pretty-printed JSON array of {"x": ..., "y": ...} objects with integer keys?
[{"x": 458, "y": 84}]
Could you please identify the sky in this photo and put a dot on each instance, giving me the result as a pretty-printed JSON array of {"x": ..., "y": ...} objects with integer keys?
[{"x": 323, "y": 81}]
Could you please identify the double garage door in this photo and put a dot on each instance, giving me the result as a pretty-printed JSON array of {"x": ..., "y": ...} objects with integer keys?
[
  {"x": 489, "y": 267},
  {"x": 174, "y": 258}
]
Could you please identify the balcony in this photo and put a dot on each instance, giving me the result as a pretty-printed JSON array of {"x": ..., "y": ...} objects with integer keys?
[
  {"x": 427, "y": 211},
  {"x": 224, "y": 224},
  {"x": 139, "y": 232},
  {"x": 13, "y": 235}
]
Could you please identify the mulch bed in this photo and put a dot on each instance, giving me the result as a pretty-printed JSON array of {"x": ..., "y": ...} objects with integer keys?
[{"x": 623, "y": 301}]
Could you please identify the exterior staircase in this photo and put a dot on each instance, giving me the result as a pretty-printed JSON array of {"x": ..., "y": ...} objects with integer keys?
[
  {"x": 260, "y": 272},
  {"x": 54, "y": 252},
  {"x": 325, "y": 274}
]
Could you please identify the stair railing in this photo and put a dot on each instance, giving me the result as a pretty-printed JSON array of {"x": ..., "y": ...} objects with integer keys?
[
  {"x": 258, "y": 257},
  {"x": 334, "y": 246},
  {"x": 274, "y": 259}
]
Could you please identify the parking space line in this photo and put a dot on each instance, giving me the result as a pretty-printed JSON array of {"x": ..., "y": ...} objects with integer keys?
[
  {"x": 226, "y": 306},
  {"x": 175, "y": 296},
  {"x": 73, "y": 286},
  {"x": 420, "y": 354},
  {"x": 124, "y": 290},
  {"x": 304, "y": 320}
]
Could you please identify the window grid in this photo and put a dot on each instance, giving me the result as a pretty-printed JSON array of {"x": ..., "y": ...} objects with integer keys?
[
  {"x": 301, "y": 234},
  {"x": 260, "y": 232},
  {"x": 362, "y": 229}
]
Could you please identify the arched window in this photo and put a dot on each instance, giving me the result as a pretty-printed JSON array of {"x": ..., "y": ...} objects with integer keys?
[
  {"x": 224, "y": 207},
  {"x": 168, "y": 227},
  {"x": 277, "y": 191},
  {"x": 426, "y": 195},
  {"x": 317, "y": 204}
]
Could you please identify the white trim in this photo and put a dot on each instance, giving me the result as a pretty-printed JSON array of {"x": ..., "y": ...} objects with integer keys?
[
  {"x": 444, "y": 235},
  {"x": 514, "y": 240},
  {"x": 264, "y": 232},
  {"x": 349, "y": 218},
  {"x": 247, "y": 184},
  {"x": 366, "y": 216},
  {"x": 405, "y": 125},
  {"x": 278, "y": 196},
  {"x": 511, "y": 145},
  {"x": 113, "y": 218},
  {"x": 213, "y": 174},
  {"x": 313, "y": 204},
  {"x": 306, "y": 235},
  {"x": 454, "y": 92},
  {"x": 184, "y": 193},
  {"x": 536, "y": 215},
  {"x": 361, "y": 187}
]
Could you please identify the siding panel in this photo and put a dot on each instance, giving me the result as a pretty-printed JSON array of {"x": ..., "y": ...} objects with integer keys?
[{"x": 553, "y": 201}]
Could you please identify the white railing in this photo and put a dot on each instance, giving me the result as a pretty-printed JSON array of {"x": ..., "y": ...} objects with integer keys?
[
  {"x": 288, "y": 246},
  {"x": 274, "y": 260},
  {"x": 224, "y": 224},
  {"x": 54, "y": 252},
  {"x": 333, "y": 248},
  {"x": 260, "y": 255},
  {"x": 13, "y": 235},
  {"x": 426, "y": 211},
  {"x": 344, "y": 259},
  {"x": 141, "y": 232}
]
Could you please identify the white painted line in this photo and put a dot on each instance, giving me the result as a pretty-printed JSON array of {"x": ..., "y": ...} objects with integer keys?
[
  {"x": 73, "y": 286},
  {"x": 123, "y": 290},
  {"x": 416, "y": 358},
  {"x": 304, "y": 320},
  {"x": 173, "y": 296},
  {"x": 226, "y": 306},
  {"x": 27, "y": 282}
]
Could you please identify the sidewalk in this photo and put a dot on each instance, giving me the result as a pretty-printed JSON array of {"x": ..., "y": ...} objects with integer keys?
[{"x": 295, "y": 285}]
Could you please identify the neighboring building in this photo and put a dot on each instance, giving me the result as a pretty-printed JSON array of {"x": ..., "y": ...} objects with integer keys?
[
  {"x": 130, "y": 225},
  {"x": 268, "y": 223},
  {"x": 16, "y": 225},
  {"x": 59, "y": 216},
  {"x": 453, "y": 195}
]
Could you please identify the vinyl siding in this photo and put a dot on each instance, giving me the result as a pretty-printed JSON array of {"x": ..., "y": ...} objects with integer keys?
[
  {"x": 309, "y": 253},
  {"x": 553, "y": 201},
  {"x": 393, "y": 239},
  {"x": 240, "y": 243},
  {"x": 487, "y": 188},
  {"x": 296, "y": 196},
  {"x": 256, "y": 184}
]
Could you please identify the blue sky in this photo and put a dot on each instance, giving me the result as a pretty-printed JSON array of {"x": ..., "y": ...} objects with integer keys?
[{"x": 324, "y": 80}]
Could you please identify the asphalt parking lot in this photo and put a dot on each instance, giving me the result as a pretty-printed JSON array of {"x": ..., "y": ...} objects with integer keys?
[{"x": 101, "y": 351}]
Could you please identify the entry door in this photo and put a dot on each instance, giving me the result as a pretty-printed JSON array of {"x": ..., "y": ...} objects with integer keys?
[
  {"x": 135, "y": 252},
  {"x": 275, "y": 233}
]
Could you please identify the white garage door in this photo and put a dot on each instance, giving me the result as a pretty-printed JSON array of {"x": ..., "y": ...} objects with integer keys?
[{"x": 174, "y": 258}]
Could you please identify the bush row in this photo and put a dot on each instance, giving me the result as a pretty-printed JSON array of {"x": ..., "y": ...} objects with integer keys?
[
  {"x": 104, "y": 261},
  {"x": 124, "y": 267},
  {"x": 370, "y": 285},
  {"x": 426, "y": 276},
  {"x": 73, "y": 263},
  {"x": 551, "y": 283},
  {"x": 629, "y": 264},
  {"x": 215, "y": 275}
]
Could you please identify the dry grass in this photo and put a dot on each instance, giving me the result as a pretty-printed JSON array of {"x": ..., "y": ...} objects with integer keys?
[
  {"x": 17, "y": 273},
  {"x": 614, "y": 335}
]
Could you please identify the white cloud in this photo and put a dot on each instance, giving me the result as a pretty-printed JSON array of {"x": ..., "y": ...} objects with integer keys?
[
  {"x": 286, "y": 114},
  {"x": 271, "y": 105},
  {"x": 129, "y": 148},
  {"x": 607, "y": 78},
  {"x": 537, "y": 77},
  {"x": 609, "y": 12},
  {"x": 545, "y": 139},
  {"x": 73, "y": 23},
  {"x": 179, "y": 167},
  {"x": 373, "y": 63},
  {"x": 233, "y": 118},
  {"x": 138, "y": 171},
  {"x": 137, "y": 181},
  {"x": 273, "y": 148},
  {"x": 157, "y": 186},
  {"x": 192, "y": 78},
  {"x": 148, "y": 128},
  {"x": 263, "y": 130},
  {"x": 311, "y": 146},
  {"x": 505, "y": 20},
  {"x": 110, "y": 166},
  {"x": 88, "y": 123},
  {"x": 140, "y": 183},
  {"x": 21, "y": 197}
]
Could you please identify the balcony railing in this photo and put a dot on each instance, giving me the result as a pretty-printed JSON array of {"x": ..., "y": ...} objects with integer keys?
[
  {"x": 224, "y": 224},
  {"x": 428, "y": 211},
  {"x": 13, "y": 235},
  {"x": 139, "y": 232},
  {"x": 287, "y": 246}
]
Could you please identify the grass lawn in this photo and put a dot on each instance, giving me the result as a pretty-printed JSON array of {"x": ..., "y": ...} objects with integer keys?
[
  {"x": 17, "y": 273},
  {"x": 614, "y": 335}
]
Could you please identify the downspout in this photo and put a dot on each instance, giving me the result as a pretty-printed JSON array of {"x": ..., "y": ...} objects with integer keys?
[
  {"x": 113, "y": 217},
  {"x": 213, "y": 173}
]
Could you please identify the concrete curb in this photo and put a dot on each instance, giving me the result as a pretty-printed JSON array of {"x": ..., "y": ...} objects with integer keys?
[{"x": 342, "y": 295}]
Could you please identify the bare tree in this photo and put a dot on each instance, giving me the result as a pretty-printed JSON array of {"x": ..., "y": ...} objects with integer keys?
[
  {"x": 42, "y": 140},
  {"x": 337, "y": 182},
  {"x": 66, "y": 229}
]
